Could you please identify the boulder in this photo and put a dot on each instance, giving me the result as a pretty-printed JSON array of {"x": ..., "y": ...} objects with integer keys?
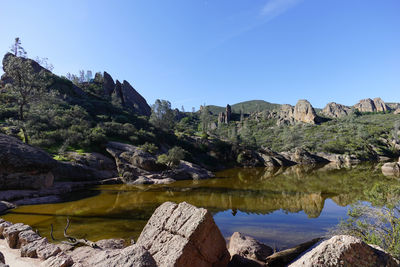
[
  {"x": 134, "y": 256},
  {"x": 23, "y": 166},
  {"x": 2, "y": 260},
  {"x": 397, "y": 111},
  {"x": 108, "y": 84},
  {"x": 93, "y": 160},
  {"x": 304, "y": 112},
  {"x": 3, "y": 225},
  {"x": 249, "y": 248},
  {"x": 26, "y": 237},
  {"x": 134, "y": 100},
  {"x": 31, "y": 249},
  {"x": 183, "y": 235},
  {"x": 59, "y": 260},
  {"x": 47, "y": 250},
  {"x": 334, "y": 110},
  {"x": 344, "y": 250},
  {"x": 11, "y": 233},
  {"x": 391, "y": 169}
]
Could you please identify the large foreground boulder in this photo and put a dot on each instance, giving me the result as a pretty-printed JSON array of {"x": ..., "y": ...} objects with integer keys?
[
  {"x": 23, "y": 166},
  {"x": 183, "y": 235},
  {"x": 344, "y": 250}
]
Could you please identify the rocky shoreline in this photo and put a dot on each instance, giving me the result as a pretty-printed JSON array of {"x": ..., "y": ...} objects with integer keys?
[{"x": 184, "y": 235}]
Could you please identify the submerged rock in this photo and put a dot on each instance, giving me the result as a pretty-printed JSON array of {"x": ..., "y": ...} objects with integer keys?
[
  {"x": 183, "y": 235},
  {"x": 344, "y": 250}
]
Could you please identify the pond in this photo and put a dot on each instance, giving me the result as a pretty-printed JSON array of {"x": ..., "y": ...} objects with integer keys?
[{"x": 281, "y": 207}]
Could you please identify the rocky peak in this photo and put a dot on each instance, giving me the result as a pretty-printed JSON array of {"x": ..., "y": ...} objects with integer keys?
[
  {"x": 380, "y": 105},
  {"x": 336, "y": 110},
  {"x": 304, "y": 112},
  {"x": 108, "y": 84},
  {"x": 134, "y": 100},
  {"x": 369, "y": 105},
  {"x": 225, "y": 117}
]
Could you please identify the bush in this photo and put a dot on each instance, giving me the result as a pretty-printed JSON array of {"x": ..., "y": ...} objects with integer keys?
[
  {"x": 149, "y": 147},
  {"x": 173, "y": 157}
]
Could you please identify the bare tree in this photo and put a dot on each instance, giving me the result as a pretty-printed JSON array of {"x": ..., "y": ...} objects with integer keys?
[{"x": 17, "y": 49}]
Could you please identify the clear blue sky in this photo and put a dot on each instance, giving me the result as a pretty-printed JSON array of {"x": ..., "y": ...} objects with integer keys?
[{"x": 220, "y": 51}]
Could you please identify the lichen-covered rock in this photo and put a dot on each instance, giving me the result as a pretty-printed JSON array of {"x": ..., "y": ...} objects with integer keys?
[
  {"x": 248, "y": 247},
  {"x": 47, "y": 250},
  {"x": 23, "y": 166},
  {"x": 335, "y": 110},
  {"x": 183, "y": 235},
  {"x": 11, "y": 233},
  {"x": 344, "y": 250}
]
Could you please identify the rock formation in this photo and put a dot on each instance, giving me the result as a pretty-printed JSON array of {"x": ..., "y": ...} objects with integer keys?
[
  {"x": 302, "y": 156},
  {"x": 369, "y": 105},
  {"x": 108, "y": 84},
  {"x": 225, "y": 117},
  {"x": 134, "y": 100},
  {"x": 335, "y": 110},
  {"x": 183, "y": 235},
  {"x": 302, "y": 112},
  {"x": 139, "y": 167},
  {"x": 344, "y": 250},
  {"x": 23, "y": 166},
  {"x": 391, "y": 169}
]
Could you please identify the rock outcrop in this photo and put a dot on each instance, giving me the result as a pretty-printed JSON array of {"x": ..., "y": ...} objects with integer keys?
[
  {"x": 108, "y": 84},
  {"x": 302, "y": 156},
  {"x": 134, "y": 100},
  {"x": 139, "y": 167},
  {"x": 334, "y": 110},
  {"x": 345, "y": 250},
  {"x": 246, "y": 250},
  {"x": 225, "y": 117},
  {"x": 303, "y": 112},
  {"x": 23, "y": 166},
  {"x": 369, "y": 105},
  {"x": 183, "y": 235}
]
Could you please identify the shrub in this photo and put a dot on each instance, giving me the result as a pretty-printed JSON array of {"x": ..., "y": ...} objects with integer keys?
[
  {"x": 149, "y": 147},
  {"x": 173, "y": 157}
]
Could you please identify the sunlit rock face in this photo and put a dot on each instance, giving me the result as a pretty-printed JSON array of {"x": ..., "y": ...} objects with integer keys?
[
  {"x": 335, "y": 110},
  {"x": 303, "y": 112},
  {"x": 369, "y": 105}
]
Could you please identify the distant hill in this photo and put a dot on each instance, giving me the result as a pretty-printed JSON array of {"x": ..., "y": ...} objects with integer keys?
[{"x": 246, "y": 106}]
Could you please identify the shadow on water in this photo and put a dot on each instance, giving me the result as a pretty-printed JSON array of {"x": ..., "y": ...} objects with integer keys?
[{"x": 281, "y": 207}]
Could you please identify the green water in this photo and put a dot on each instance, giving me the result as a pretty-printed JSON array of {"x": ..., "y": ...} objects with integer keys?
[{"x": 280, "y": 207}]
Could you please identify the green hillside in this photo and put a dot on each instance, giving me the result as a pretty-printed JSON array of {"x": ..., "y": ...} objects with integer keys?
[{"x": 246, "y": 106}]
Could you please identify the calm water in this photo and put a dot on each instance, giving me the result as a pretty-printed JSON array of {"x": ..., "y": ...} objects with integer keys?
[{"x": 280, "y": 207}]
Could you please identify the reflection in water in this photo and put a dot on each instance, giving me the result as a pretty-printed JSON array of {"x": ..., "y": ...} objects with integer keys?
[{"x": 280, "y": 206}]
